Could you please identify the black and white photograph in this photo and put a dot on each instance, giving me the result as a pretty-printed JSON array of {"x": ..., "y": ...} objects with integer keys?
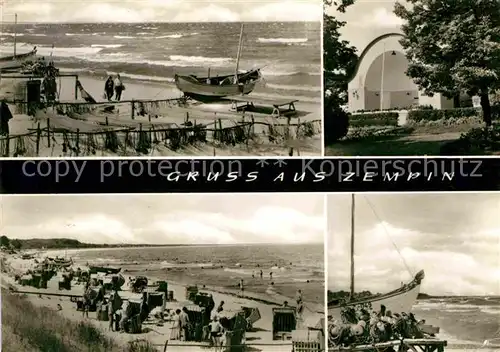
[
  {"x": 163, "y": 273},
  {"x": 413, "y": 272},
  {"x": 406, "y": 77},
  {"x": 160, "y": 78}
]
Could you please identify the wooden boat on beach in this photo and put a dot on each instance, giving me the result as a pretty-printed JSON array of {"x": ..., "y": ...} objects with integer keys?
[
  {"x": 106, "y": 270},
  {"x": 398, "y": 300},
  {"x": 208, "y": 88},
  {"x": 16, "y": 61}
]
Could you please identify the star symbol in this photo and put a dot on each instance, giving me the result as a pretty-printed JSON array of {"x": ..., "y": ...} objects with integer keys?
[
  {"x": 262, "y": 163},
  {"x": 280, "y": 163}
]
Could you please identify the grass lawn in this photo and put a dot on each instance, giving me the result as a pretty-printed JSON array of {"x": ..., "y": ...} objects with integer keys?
[
  {"x": 30, "y": 328},
  {"x": 425, "y": 140}
]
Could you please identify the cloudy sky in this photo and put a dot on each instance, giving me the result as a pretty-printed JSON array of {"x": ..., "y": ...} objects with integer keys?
[
  {"x": 161, "y": 10},
  {"x": 368, "y": 19},
  {"x": 455, "y": 238},
  {"x": 167, "y": 219}
]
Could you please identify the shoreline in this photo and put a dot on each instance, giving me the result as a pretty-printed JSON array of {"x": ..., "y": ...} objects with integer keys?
[{"x": 179, "y": 274}]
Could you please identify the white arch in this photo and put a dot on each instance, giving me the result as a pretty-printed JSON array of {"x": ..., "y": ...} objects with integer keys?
[{"x": 399, "y": 91}]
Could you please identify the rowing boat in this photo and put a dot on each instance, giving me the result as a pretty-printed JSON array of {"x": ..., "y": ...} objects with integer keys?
[
  {"x": 16, "y": 61},
  {"x": 215, "y": 88},
  {"x": 206, "y": 89}
]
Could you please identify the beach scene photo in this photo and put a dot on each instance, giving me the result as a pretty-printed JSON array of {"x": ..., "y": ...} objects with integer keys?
[
  {"x": 393, "y": 89},
  {"x": 161, "y": 78},
  {"x": 413, "y": 272},
  {"x": 163, "y": 273}
]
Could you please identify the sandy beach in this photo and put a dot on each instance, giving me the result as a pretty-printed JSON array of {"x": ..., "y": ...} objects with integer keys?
[
  {"x": 259, "y": 339},
  {"x": 266, "y": 140}
]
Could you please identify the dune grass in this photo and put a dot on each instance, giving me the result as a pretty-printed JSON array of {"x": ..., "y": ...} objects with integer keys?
[{"x": 27, "y": 327}]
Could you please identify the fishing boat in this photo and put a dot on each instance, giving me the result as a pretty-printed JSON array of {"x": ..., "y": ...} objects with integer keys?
[
  {"x": 106, "y": 270},
  {"x": 16, "y": 61},
  {"x": 401, "y": 299},
  {"x": 206, "y": 89}
]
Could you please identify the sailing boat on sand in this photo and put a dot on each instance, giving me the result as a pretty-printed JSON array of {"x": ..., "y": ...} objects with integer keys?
[
  {"x": 215, "y": 88},
  {"x": 399, "y": 300},
  {"x": 15, "y": 61}
]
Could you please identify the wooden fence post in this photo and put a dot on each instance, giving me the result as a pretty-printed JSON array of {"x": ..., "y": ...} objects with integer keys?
[
  {"x": 48, "y": 132},
  {"x": 38, "y": 134},
  {"x": 76, "y": 87}
]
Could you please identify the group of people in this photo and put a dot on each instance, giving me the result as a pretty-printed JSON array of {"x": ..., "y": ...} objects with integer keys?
[
  {"x": 361, "y": 326},
  {"x": 119, "y": 311},
  {"x": 212, "y": 329},
  {"x": 114, "y": 87}
]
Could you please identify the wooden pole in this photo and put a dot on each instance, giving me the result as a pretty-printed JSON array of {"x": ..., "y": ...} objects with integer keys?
[
  {"x": 7, "y": 147},
  {"x": 353, "y": 205},
  {"x": 164, "y": 304},
  {"x": 77, "y": 141},
  {"x": 76, "y": 87},
  {"x": 239, "y": 53},
  {"x": 382, "y": 81},
  {"x": 38, "y": 133},
  {"x": 48, "y": 132},
  {"x": 15, "y": 34},
  {"x": 133, "y": 108}
]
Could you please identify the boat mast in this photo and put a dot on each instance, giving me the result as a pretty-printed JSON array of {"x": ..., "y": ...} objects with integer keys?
[
  {"x": 239, "y": 53},
  {"x": 352, "y": 244},
  {"x": 15, "y": 34}
]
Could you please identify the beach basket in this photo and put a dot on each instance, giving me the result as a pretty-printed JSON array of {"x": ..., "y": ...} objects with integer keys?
[
  {"x": 134, "y": 325},
  {"x": 191, "y": 292},
  {"x": 234, "y": 341},
  {"x": 26, "y": 280},
  {"x": 155, "y": 300},
  {"x": 251, "y": 315},
  {"x": 102, "y": 312},
  {"x": 162, "y": 286},
  {"x": 284, "y": 322},
  {"x": 307, "y": 341}
]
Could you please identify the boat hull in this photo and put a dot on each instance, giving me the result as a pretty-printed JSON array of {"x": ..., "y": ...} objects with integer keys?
[
  {"x": 397, "y": 301},
  {"x": 15, "y": 62},
  {"x": 193, "y": 88}
]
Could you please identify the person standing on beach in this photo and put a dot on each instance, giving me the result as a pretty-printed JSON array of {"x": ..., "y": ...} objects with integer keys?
[
  {"x": 119, "y": 87},
  {"x": 114, "y": 305},
  {"x": 220, "y": 308},
  {"x": 5, "y": 116},
  {"x": 298, "y": 297},
  {"x": 176, "y": 328},
  {"x": 241, "y": 287},
  {"x": 216, "y": 330},
  {"x": 270, "y": 275},
  {"x": 261, "y": 273},
  {"x": 109, "y": 88},
  {"x": 184, "y": 318}
]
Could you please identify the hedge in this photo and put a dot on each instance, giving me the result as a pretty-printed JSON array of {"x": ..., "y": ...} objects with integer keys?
[
  {"x": 374, "y": 119},
  {"x": 434, "y": 114}
]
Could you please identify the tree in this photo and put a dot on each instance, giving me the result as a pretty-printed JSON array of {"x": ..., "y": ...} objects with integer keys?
[
  {"x": 339, "y": 61},
  {"x": 4, "y": 241},
  {"x": 16, "y": 244},
  {"x": 453, "y": 47}
]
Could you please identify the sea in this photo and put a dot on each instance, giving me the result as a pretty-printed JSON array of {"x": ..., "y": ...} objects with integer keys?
[
  {"x": 221, "y": 266},
  {"x": 467, "y": 323},
  {"x": 294, "y": 261},
  {"x": 289, "y": 54}
]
